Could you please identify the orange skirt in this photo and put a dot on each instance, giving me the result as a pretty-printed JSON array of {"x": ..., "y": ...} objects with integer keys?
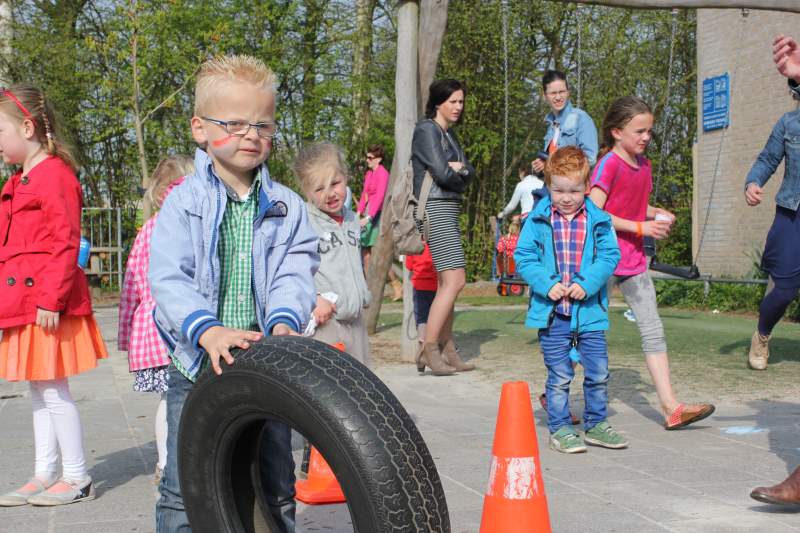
[{"x": 31, "y": 354}]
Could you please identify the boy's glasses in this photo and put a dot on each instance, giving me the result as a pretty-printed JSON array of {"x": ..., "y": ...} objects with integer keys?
[{"x": 265, "y": 130}]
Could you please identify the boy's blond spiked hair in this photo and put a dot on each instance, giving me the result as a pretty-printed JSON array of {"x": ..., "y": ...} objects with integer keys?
[{"x": 215, "y": 72}]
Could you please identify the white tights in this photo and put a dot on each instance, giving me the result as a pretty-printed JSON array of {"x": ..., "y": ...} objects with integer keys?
[
  {"x": 161, "y": 432},
  {"x": 56, "y": 424}
]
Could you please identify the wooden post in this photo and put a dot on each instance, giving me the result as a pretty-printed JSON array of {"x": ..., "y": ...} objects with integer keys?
[
  {"x": 432, "y": 23},
  {"x": 405, "y": 117}
]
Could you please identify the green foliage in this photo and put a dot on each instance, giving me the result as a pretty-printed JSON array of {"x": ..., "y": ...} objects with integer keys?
[
  {"x": 622, "y": 52},
  {"x": 80, "y": 52},
  {"x": 722, "y": 296},
  {"x": 735, "y": 297}
]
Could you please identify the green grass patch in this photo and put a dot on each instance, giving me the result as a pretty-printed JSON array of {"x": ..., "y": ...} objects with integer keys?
[{"x": 708, "y": 352}]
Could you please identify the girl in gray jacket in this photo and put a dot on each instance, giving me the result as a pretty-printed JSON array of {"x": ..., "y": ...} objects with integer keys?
[{"x": 341, "y": 287}]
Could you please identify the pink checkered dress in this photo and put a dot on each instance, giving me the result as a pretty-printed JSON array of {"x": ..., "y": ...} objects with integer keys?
[{"x": 137, "y": 332}]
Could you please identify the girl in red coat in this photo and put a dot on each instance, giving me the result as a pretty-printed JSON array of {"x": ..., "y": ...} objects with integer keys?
[{"x": 48, "y": 331}]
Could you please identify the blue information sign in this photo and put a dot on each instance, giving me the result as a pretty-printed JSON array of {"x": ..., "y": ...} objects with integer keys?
[{"x": 716, "y": 102}]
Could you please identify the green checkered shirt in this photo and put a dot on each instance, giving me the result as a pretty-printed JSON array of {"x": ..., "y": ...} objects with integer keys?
[{"x": 237, "y": 306}]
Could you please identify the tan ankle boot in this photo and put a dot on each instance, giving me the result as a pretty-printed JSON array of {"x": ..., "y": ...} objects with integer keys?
[
  {"x": 432, "y": 358},
  {"x": 759, "y": 352},
  {"x": 397, "y": 287},
  {"x": 452, "y": 358}
]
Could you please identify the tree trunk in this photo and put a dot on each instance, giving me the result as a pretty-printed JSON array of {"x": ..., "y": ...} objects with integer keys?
[
  {"x": 362, "y": 54},
  {"x": 432, "y": 25},
  {"x": 406, "y": 104},
  {"x": 137, "y": 111},
  {"x": 314, "y": 16},
  {"x": 771, "y": 5},
  {"x": 6, "y": 35}
]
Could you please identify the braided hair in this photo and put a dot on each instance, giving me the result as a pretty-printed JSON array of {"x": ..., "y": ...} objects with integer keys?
[{"x": 27, "y": 102}]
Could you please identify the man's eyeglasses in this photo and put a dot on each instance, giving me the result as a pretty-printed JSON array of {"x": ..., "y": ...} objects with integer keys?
[
  {"x": 553, "y": 94},
  {"x": 265, "y": 130},
  {"x": 371, "y": 157}
]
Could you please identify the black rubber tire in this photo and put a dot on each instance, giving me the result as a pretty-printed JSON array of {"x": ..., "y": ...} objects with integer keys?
[{"x": 337, "y": 403}]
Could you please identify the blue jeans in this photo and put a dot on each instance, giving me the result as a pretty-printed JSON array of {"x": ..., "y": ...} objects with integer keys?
[
  {"x": 275, "y": 457},
  {"x": 556, "y": 343}
]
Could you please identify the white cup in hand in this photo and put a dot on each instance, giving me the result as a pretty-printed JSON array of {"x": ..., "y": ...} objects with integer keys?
[{"x": 663, "y": 217}]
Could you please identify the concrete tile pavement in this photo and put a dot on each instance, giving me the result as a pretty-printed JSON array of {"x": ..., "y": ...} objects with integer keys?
[{"x": 697, "y": 479}]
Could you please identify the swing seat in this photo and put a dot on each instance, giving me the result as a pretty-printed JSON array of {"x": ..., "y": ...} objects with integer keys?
[{"x": 691, "y": 272}]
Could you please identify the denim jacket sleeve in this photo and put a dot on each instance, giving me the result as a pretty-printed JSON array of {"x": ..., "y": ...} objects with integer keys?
[
  {"x": 587, "y": 137},
  {"x": 426, "y": 146},
  {"x": 530, "y": 260},
  {"x": 594, "y": 277},
  {"x": 292, "y": 293},
  {"x": 769, "y": 158},
  {"x": 177, "y": 294}
]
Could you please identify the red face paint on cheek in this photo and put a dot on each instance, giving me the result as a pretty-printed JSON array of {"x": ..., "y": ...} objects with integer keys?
[{"x": 222, "y": 142}]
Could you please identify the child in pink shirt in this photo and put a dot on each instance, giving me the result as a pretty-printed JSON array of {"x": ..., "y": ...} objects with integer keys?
[
  {"x": 621, "y": 185},
  {"x": 147, "y": 355}
]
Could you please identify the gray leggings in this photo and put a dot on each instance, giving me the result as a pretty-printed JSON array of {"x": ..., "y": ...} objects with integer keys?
[{"x": 640, "y": 295}]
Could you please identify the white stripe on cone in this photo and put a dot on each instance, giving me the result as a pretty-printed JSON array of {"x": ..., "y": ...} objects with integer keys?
[{"x": 517, "y": 475}]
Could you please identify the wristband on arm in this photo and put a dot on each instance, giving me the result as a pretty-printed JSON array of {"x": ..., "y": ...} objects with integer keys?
[{"x": 639, "y": 230}]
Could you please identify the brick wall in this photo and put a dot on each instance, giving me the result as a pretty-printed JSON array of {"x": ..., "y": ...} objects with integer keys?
[{"x": 735, "y": 233}]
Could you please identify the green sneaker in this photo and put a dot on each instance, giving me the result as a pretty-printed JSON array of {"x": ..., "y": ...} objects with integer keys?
[
  {"x": 567, "y": 440},
  {"x": 604, "y": 435}
]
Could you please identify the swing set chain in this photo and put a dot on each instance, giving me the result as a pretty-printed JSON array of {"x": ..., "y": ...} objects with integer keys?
[
  {"x": 504, "y": 14},
  {"x": 666, "y": 107},
  {"x": 579, "y": 17}
]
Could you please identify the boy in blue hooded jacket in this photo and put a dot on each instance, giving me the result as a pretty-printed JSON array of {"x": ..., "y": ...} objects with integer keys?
[{"x": 566, "y": 253}]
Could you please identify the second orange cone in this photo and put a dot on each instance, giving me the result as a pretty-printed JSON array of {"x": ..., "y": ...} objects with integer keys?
[
  {"x": 515, "y": 499},
  {"x": 321, "y": 485}
]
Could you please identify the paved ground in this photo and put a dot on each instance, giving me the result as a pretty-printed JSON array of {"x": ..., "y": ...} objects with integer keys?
[{"x": 692, "y": 480}]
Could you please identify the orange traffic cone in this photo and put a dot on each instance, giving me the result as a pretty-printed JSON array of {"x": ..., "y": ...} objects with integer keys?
[
  {"x": 321, "y": 485},
  {"x": 515, "y": 499}
]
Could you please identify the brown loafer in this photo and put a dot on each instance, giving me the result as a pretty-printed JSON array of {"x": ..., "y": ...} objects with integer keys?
[
  {"x": 683, "y": 415},
  {"x": 787, "y": 492}
]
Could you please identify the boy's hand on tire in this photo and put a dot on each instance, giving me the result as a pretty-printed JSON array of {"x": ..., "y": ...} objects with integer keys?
[{"x": 218, "y": 341}]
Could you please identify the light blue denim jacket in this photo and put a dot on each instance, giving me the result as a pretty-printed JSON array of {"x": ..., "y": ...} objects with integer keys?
[
  {"x": 784, "y": 142},
  {"x": 577, "y": 129},
  {"x": 184, "y": 262}
]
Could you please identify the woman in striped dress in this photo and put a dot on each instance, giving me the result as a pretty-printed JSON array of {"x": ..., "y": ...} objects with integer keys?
[{"x": 435, "y": 150}]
